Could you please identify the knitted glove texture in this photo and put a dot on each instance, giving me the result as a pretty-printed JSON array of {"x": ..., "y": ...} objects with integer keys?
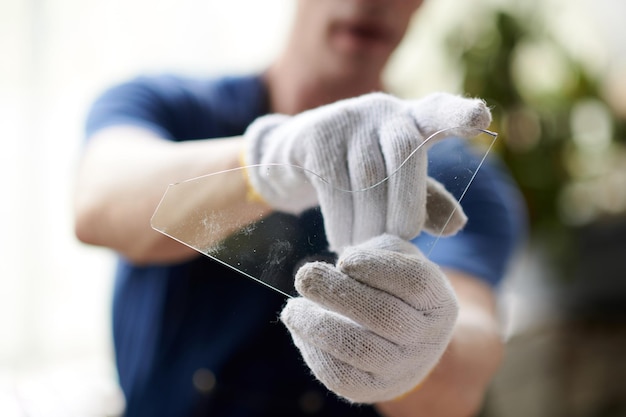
[
  {"x": 351, "y": 145},
  {"x": 373, "y": 326}
]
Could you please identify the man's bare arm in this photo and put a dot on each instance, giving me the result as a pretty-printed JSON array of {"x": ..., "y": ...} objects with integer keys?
[
  {"x": 457, "y": 385},
  {"x": 122, "y": 177}
]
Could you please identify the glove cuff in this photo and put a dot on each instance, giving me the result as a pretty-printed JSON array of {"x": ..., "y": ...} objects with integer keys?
[
  {"x": 252, "y": 195},
  {"x": 271, "y": 175},
  {"x": 256, "y": 136}
]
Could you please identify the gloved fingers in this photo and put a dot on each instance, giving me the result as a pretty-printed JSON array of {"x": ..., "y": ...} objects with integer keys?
[
  {"x": 356, "y": 341},
  {"x": 336, "y": 207},
  {"x": 406, "y": 185},
  {"x": 380, "y": 312},
  {"x": 443, "y": 110},
  {"x": 369, "y": 197},
  {"x": 335, "y": 202},
  {"x": 444, "y": 214},
  {"x": 412, "y": 278},
  {"x": 345, "y": 339},
  {"x": 360, "y": 386},
  {"x": 391, "y": 243}
]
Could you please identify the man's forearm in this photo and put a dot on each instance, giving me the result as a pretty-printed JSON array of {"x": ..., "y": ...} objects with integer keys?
[
  {"x": 457, "y": 385},
  {"x": 123, "y": 176}
]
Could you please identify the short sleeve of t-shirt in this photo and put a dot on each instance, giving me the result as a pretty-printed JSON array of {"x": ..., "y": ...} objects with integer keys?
[{"x": 180, "y": 108}]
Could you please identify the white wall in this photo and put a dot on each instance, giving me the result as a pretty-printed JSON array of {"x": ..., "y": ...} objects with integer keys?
[{"x": 56, "y": 55}]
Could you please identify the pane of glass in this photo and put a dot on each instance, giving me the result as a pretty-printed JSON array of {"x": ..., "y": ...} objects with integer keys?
[{"x": 270, "y": 248}]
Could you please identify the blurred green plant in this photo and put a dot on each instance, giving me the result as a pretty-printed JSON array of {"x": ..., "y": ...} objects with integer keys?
[{"x": 562, "y": 142}]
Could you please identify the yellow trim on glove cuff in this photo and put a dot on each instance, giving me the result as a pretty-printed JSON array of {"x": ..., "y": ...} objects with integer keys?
[{"x": 252, "y": 195}]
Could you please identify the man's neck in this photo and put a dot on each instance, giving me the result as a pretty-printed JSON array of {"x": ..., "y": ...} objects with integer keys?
[{"x": 294, "y": 88}]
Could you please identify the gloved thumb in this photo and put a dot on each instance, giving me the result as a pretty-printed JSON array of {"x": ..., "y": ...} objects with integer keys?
[{"x": 444, "y": 214}]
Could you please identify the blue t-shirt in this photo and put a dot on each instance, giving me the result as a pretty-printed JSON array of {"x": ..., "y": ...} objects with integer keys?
[{"x": 199, "y": 339}]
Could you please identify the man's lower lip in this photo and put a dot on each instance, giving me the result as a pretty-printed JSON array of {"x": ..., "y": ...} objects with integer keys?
[{"x": 358, "y": 39}]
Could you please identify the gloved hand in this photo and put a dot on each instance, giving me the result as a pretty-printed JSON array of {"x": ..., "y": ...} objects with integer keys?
[
  {"x": 353, "y": 144},
  {"x": 372, "y": 327}
]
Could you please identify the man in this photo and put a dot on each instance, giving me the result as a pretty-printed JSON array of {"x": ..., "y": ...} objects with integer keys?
[{"x": 193, "y": 338}]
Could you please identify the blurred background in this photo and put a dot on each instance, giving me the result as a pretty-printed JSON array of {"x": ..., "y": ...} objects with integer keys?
[{"x": 554, "y": 72}]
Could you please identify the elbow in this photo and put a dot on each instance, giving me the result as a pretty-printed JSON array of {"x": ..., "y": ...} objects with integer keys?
[
  {"x": 101, "y": 222},
  {"x": 136, "y": 242},
  {"x": 86, "y": 220},
  {"x": 94, "y": 224},
  {"x": 91, "y": 227}
]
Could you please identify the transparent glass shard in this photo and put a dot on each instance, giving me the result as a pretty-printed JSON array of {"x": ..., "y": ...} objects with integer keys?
[{"x": 269, "y": 248}]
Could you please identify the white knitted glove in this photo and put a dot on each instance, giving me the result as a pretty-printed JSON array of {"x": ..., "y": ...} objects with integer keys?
[
  {"x": 374, "y": 326},
  {"x": 353, "y": 144}
]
